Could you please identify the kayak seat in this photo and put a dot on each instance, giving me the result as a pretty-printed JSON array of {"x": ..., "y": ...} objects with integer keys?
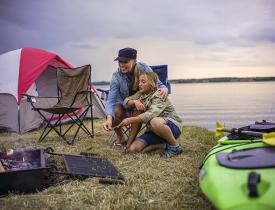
[{"x": 252, "y": 158}]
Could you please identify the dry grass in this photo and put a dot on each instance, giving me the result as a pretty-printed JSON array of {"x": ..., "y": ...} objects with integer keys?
[{"x": 152, "y": 181}]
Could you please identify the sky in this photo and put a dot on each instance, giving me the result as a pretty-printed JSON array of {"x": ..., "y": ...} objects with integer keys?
[{"x": 196, "y": 38}]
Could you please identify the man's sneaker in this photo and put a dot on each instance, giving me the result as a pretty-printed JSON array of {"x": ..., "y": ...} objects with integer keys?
[{"x": 171, "y": 151}]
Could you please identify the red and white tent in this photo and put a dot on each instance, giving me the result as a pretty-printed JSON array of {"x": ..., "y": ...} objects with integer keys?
[{"x": 31, "y": 71}]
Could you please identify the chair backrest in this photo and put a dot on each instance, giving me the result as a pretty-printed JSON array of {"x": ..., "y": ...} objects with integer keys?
[
  {"x": 162, "y": 72},
  {"x": 71, "y": 82}
]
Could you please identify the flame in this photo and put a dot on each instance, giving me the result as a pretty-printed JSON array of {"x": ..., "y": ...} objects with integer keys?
[{"x": 9, "y": 152}]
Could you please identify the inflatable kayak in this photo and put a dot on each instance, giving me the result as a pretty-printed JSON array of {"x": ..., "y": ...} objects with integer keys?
[{"x": 239, "y": 172}]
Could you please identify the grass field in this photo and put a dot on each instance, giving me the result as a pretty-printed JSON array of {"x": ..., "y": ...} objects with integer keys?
[{"x": 151, "y": 181}]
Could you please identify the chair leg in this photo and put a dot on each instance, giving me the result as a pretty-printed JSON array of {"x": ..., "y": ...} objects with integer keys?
[
  {"x": 92, "y": 119},
  {"x": 42, "y": 136},
  {"x": 79, "y": 122},
  {"x": 60, "y": 126},
  {"x": 51, "y": 127},
  {"x": 125, "y": 131},
  {"x": 83, "y": 127},
  {"x": 111, "y": 138}
]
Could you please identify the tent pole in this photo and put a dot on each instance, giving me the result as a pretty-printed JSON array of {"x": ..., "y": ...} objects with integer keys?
[{"x": 18, "y": 110}]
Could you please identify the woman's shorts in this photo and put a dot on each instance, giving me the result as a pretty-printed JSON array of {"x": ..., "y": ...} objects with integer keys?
[{"x": 150, "y": 138}]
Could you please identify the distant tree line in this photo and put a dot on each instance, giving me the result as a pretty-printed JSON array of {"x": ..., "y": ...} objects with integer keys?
[
  {"x": 207, "y": 80},
  {"x": 224, "y": 79},
  {"x": 101, "y": 83}
]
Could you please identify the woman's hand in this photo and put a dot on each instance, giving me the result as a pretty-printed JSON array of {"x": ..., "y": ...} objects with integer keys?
[
  {"x": 163, "y": 93},
  {"x": 107, "y": 125},
  {"x": 139, "y": 106}
]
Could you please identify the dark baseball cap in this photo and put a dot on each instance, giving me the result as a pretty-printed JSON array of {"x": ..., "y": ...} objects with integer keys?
[{"x": 126, "y": 54}]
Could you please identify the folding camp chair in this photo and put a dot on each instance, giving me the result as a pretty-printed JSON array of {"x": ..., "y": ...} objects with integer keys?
[
  {"x": 74, "y": 101},
  {"x": 162, "y": 72}
]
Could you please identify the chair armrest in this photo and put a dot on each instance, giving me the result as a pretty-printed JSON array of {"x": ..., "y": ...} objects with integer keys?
[
  {"x": 103, "y": 91},
  {"x": 30, "y": 96},
  {"x": 32, "y": 100},
  {"x": 104, "y": 94},
  {"x": 84, "y": 92},
  {"x": 169, "y": 87}
]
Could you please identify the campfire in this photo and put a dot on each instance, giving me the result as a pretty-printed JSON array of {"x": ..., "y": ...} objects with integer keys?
[
  {"x": 11, "y": 161},
  {"x": 28, "y": 170}
]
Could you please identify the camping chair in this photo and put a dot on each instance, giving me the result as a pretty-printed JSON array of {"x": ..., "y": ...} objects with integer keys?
[
  {"x": 162, "y": 72},
  {"x": 73, "y": 102}
]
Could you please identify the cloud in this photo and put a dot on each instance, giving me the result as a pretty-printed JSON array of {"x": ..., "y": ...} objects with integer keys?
[
  {"x": 265, "y": 34},
  {"x": 83, "y": 45},
  {"x": 193, "y": 37}
]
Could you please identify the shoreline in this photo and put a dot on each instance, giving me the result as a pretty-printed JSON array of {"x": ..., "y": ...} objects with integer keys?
[{"x": 209, "y": 80}]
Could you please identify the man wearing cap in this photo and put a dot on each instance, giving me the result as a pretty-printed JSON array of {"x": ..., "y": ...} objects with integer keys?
[{"x": 123, "y": 84}]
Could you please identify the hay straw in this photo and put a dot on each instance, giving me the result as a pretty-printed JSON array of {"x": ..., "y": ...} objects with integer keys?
[{"x": 152, "y": 181}]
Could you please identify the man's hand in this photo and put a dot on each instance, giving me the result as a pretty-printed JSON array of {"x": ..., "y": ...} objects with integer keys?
[
  {"x": 163, "y": 93},
  {"x": 107, "y": 125},
  {"x": 139, "y": 106}
]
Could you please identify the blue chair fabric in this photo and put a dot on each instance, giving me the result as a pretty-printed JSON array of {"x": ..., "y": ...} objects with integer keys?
[{"x": 162, "y": 72}]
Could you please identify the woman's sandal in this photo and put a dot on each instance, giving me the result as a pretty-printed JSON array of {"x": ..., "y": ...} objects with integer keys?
[{"x": 119, "y": 145}]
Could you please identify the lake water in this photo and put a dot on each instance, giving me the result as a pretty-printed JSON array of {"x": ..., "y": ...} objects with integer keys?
[{"x": 234, "y": 104}]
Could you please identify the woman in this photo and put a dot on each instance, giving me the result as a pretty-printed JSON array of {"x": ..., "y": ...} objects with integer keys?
[
  {"x": 163, "y": 124},
  {"x": 124, "y": 83}
]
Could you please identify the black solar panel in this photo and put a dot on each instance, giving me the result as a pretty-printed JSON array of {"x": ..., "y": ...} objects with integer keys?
[{"x": 91, "y": 166}]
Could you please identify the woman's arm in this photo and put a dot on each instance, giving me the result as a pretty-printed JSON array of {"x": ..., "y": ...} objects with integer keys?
[
  {"x": 110, "y": 103},
  {"x": 114, "y": 94}
]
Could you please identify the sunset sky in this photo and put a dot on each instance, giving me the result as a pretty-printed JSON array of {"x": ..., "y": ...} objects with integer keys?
[{"x": 196, "y": 38}]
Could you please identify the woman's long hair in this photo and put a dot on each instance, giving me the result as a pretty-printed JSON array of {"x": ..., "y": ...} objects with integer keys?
[
  {"x": 137, "y": 73},
  {"x": 136, "y": 78},
  {"x": 152, "y": 78}
]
